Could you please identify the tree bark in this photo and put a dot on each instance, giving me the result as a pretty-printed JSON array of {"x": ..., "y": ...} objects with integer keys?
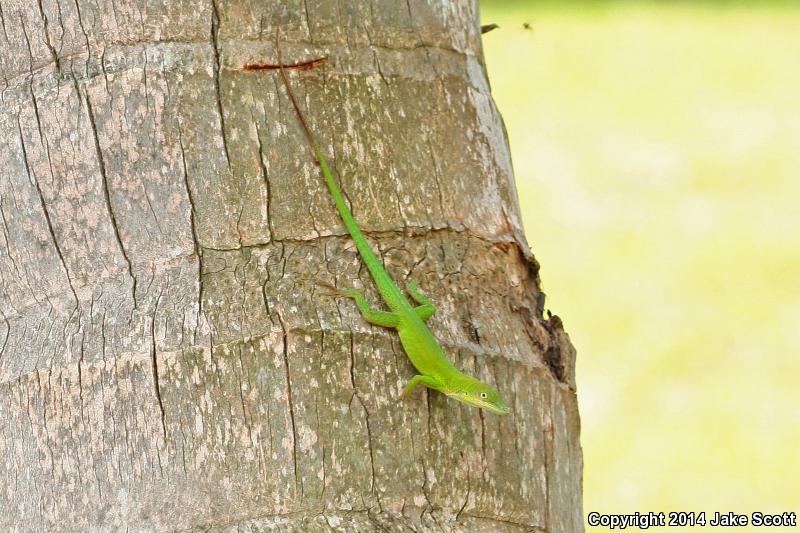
[{"x": 166, "y": 358}]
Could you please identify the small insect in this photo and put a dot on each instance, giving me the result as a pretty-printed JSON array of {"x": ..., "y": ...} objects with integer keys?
[{"x": 527, "y": 26}]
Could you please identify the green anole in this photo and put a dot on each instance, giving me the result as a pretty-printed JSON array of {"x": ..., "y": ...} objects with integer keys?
[{"x": 426, "y": 354}]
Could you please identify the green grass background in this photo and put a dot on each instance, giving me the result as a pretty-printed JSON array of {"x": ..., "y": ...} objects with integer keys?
[{"x": 657, "y": 154}]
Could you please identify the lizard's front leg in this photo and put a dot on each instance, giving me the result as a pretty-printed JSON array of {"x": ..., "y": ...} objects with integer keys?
[{"x": 420, "y": 379}]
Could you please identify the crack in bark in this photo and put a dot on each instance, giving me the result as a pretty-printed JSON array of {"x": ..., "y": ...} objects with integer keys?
[
  {"x": 198, "y": 250},
  {"x": 105, "y": 74},
  {"x": 466, "y": 498},
  {"x": 44, "y": 417},
  {"x": 436, "y": 173},
  {"x": 422, "y": 457},
  {"x": 45, "y": 211},
  {"x": 242, "y": 401},
  {"x": 216, "y": 70},
  {"x": 48, "y": 44},
  {"x": 7, "y": 239},
  {"x": 107, "y": 196},
  {"x": 366, "y": 416},
  {"x": 484, "y": 462},
  {"x": 531, "y": 528},
  {"x": 146, "y": 88},
  {"x": 422, "y": 44},
  {"x": 154, "y": 359},
  {"x": 7, "y": 336},
  {"x": 320, "y": 432},
  {"x": 83, "y": 28},
  {"x": 549, "y": 455},
  {"x": 285, "y": 348},
  {"x": 308, "y": 21},
  {"x": 265, "y": 174},
  {"x": 3, "y": 23},
  {"x": 125, "y": 61},
  {"x": 408, "y": 232},
  {"x": 82, "y": 357}
]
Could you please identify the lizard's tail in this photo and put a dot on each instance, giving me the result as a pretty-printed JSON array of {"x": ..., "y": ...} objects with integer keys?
[{"x": 366, "y": 252}]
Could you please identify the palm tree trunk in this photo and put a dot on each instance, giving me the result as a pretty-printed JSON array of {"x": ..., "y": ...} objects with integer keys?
[{"x": 166, "y": 359}]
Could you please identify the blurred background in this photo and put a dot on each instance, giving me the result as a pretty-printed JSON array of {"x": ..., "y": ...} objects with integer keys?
[{"x": 656, "y": 147}]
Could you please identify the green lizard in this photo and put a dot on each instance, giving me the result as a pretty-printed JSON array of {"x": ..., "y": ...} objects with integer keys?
[{"x": 435, "y": 370}]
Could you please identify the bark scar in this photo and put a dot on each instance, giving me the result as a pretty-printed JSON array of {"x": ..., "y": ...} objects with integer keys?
[{"x": 303, "y": 65}]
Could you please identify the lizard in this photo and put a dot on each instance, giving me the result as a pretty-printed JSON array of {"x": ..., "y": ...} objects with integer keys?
[{"x": 421, "y": 346}]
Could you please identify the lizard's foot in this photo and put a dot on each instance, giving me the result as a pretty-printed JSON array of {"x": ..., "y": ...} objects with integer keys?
[
  {"x": 335, "y": 292},
  {"x": 405, "y": 394}
]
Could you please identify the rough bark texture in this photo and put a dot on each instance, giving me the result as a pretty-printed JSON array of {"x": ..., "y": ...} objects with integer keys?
[{"x": 166, "y": 360}]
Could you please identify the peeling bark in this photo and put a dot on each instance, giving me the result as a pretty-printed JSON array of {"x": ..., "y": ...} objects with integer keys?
[{"x": 166, "y": 358}]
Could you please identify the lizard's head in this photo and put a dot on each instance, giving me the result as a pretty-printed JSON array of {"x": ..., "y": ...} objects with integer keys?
[{"x": 473, "y": 392}]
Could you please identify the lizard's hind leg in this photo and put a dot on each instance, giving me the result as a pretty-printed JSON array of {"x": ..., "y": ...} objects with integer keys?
[
  {"x": 426, "y": 309},
  {"x": 385, "y": 319},
  {"x": 419, "y": 379}
]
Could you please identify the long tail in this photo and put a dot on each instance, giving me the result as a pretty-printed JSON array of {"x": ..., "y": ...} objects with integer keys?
[{"x": 366, "y": 252}]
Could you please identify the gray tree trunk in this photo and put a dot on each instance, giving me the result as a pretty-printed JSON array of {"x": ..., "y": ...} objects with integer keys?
[{"x": 166, "y": 359}]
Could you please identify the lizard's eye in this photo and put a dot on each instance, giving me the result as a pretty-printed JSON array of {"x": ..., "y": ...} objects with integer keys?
[{"x": 484, "y": 395}]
